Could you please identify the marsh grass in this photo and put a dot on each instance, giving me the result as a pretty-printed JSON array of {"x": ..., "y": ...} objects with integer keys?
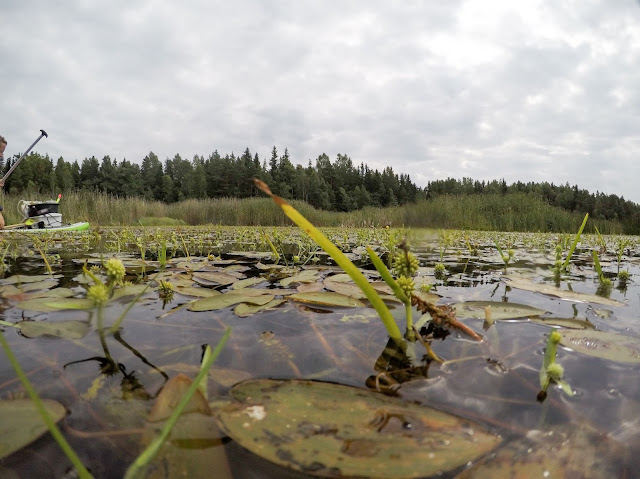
[{"x": 513, "y": 212}]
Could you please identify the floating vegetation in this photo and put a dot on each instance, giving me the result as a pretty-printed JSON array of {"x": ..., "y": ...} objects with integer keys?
[{"x": 109, "y": 328}]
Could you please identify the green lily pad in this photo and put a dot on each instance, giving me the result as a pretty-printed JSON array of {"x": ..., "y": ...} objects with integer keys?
[
  {"x": 24, "y": 279},
  {"x": 22, "y": 424},
  {"x": 551, "y": 290},
  {"x": 604, "y": 345},
  {"x": 209, "y": 277},
  {"x": 571, "y": 323},
  {"x": 245, "y": 283},
  {"x": 304, "y": 276},
  {"x": 333, "y": 430},
  {"x": 499, "y": 310},
  {"x": 348, "y": 289},
  {"x": 244, "y": 295},
  {"x": 243, "y": 309},
  {"x": 198, "y": 292},
  {"x": 70, "y": 329},
  {"x": 71, "y": 303},
  {"x": 327, "y": 299},
  {"x": 130, "y": 290}
]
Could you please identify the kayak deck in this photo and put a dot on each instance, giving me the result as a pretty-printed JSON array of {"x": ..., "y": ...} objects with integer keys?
[{"x": 80, "y": 226}]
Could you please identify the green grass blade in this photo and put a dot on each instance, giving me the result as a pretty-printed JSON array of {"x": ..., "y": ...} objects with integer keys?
[
  {"x": 339, "y": 257},
  {"x": 575, "y": 242}
]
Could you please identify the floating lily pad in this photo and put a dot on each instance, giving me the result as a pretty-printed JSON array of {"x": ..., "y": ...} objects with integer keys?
[
  {"x": 499, "y": 310},
  {"x": 209, "y": 277},
  {"x": 71, "y": 303},
  {"x": 571, "y": 323},
  {"x": 197, "y": 291},
  {"x": 333, "y": 430},
  {"x": 70, "y": 329},
  {"x": 348, "y": 289},
  {"x": 243, "y": 310},
  {"x": 304, "y": 276},
  {"x": 130, "y": 290},
  {"x": 244, "y": 295},
  {"x": 602, "y": 344},
  {"x": 23, "y": 279},
  {"x": 552, "y": 290},
  {"x": 22, "y": 424},
  {"x": 245, "y": 283},
  {"x": 327, "y": 299}
]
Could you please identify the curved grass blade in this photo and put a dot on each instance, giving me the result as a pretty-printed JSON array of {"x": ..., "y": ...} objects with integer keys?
[{"x": 339, "y": 257}]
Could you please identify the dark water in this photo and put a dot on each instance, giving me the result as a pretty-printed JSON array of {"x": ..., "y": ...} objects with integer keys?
[{"x": 494, "y": 382}]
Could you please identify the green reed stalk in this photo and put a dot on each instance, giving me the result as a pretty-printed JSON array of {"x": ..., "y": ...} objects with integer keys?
[
  {"x": 342, "y": 261},
  {"x": 575, "y": 242}
]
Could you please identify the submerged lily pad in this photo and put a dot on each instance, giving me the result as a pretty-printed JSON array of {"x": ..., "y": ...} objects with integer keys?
[
  {"x": 333, "y": 430},
  {"x": 70, "y": 329},
  {"x": 604, "y": 345},
  {"x": 565, "y": 451},
  {"x": 243, "y": 295},
  {"x": 21, "y": 424},
  {"x": 552, "y": 290},
  {"x": 499, "y": 310}
]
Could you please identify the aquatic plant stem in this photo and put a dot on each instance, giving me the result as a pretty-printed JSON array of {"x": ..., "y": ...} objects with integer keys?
[
  {"x": 137, "y": 467},
  {"x": 575, "y": 242},
  {"x": 51, "y": 425},
  {"x": 342, "y": 261}
]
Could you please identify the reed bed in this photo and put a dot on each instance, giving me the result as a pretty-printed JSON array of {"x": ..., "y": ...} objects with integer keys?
[{"x": 512, "y": 212}]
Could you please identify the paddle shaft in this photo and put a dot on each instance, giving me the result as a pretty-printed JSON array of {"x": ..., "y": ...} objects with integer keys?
[{"x": 4, "y": 178}]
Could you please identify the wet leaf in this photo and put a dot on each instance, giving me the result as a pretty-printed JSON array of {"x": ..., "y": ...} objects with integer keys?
[
  {"x": 244, "y": 283},
  {"x": 310, "y": 287},
  {"x": 130, "y": 290},
  {"x": 333, "y": 430},
  {"x": 69, "y": 329},
  {"x": 42, "y": 304},
  {"x": 551, "y": 290},
  {"x": 23, "y": 279},
  {"x": 21, "y": 423},
  {"x": 244, "y": 295},
  {"x": 209, "y": 277},
  {"x": 304, "y": 276},
  {"x": 327, "y": 299},
  {"x": 499, "y": 310},
  {"x": 601, "y": 344},
  {"x": 571, "y": 323},
  {"x": 71, "y": 303},
  {"x": 170, "y": 396},
  {"x": 198, "y": 292},
  {"x": 564, "y": 451},
  {"x": 348, "y": 289},
  {"x": 243, "y": 310},
  {"x": 195, "y": 447}
]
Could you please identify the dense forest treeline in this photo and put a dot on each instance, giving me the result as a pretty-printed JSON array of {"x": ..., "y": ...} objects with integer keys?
[
  {"x": 337, "y": 185},
  {"x": 332, "y": 186},
  {"x": 567, "y": 197}
]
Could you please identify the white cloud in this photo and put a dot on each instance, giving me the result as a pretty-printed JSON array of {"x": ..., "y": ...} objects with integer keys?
[{"x": 526, "y": 90}]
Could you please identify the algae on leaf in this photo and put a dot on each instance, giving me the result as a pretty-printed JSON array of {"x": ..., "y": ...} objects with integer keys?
[{"x": 327, "y": 429}]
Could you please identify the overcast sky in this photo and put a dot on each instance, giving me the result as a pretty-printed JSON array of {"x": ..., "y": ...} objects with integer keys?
[{"x": 521, "y": 90}]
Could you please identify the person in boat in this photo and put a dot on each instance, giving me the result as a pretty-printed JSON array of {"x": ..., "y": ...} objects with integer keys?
[{"x": 3, "y": 145}]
